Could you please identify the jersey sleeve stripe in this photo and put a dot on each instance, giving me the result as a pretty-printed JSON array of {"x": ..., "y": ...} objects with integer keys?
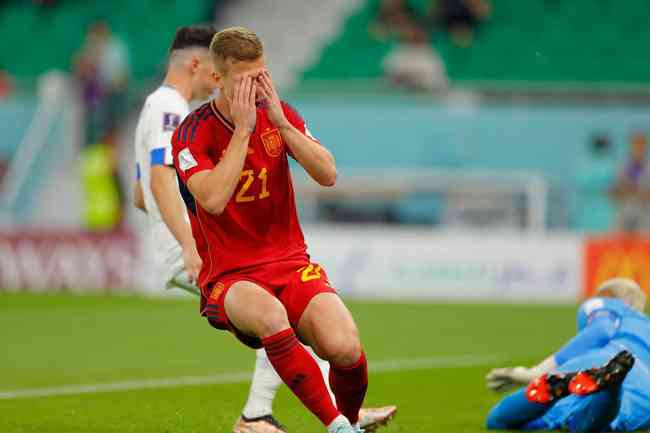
[
  {"x": 201, "y": 117},
  {"x": 183, "y": 127},
  {"x": 178, "y": 132},
  {"x": 186, "y": 129}
]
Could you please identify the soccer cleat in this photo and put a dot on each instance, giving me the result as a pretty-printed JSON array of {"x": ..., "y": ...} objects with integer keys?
[
  {"x": 346, "y": 429},
  {"x": 548, "y": 388},
  {"x": 551, "y": 387},
  {"x": 596, "y": 379},
  {"x": 340, "y": 424},
  {"x": 370, "y": 419},
  {"x": 262, "y": 424}
]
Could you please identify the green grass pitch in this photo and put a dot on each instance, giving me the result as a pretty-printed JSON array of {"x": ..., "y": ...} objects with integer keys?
[{"x": 63, "y": 340}]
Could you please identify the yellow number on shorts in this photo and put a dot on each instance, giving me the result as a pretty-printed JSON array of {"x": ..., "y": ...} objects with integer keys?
[
  {"x": 241, "y": 196},
  {"x": 309, "y": 273}
]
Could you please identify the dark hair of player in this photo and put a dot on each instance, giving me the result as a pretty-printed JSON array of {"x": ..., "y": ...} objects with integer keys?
[{"x": 192, "y": 36}]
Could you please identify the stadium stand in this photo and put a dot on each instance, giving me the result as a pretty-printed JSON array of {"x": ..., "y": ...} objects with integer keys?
[
  {"x": 36, "y": 40},
  {"x": 579, "y": 41},
  {"x": 549, "y": 42}
]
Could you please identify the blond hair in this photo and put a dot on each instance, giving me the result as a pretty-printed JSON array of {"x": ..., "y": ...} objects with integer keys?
[
  {"x": 626, "y": 290},
  {"x": 236, "y": 44}
]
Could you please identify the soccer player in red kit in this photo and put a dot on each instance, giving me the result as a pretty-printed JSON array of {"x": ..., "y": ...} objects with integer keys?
[{"x": 257, "y": 280}]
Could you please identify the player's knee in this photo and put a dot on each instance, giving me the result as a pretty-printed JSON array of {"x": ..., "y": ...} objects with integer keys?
[
  {"x": 494, "y": 422},
  {"x": 350, "y": 353},
  {"x": 344, "y": 348},
  {"x": 273, "y": 321}
]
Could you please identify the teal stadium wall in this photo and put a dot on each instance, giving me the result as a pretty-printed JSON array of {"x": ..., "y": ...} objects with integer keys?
[{"x": 552, "y": 140}]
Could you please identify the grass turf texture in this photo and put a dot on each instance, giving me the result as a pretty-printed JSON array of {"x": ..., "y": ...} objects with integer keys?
[{"x": 52, "y": 340}]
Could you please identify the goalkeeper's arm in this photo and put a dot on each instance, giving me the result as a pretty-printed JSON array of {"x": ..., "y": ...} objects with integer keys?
[{"x": 596, "y": 335}]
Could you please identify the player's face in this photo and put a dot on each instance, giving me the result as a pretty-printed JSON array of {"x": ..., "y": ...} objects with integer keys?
[
  {"x": 226, "y": 81},
  {"x": 203, "y": 83}
]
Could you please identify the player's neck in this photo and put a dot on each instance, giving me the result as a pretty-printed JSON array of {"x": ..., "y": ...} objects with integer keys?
[
  {"x": 179, "y": 83},
  {"x": 222, "y": 105}
]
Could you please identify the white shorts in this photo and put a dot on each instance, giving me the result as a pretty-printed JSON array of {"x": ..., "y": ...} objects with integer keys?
[
  {"x": 174, "y": 274},
  {"x": 182, "y": 281}
]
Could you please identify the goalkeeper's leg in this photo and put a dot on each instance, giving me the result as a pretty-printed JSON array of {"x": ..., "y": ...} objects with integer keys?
[
  {"x": 595, "y": 397},
  {"x": 595, "y": 412},
  {"x": 516, "y": 411}
]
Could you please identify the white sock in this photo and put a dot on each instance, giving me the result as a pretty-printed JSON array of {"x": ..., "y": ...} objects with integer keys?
[
  {"x": 338, "y": 422},
  {"x": 264, "y": 386},
  {"x": 325, "y": 369}
]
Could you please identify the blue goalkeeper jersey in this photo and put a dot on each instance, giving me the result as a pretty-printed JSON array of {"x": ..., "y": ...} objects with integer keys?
[
  {"x": 619, "y": 328},
  {"x": 631, "y": 329}
]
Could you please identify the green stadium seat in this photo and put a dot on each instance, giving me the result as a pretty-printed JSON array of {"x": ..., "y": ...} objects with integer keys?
[
  {"x": 533, "y": 40},
  {"x": 36, "y": 40}
]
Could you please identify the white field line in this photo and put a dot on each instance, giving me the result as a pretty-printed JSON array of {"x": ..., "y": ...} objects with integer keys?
[{"x": 393, "y": 365}]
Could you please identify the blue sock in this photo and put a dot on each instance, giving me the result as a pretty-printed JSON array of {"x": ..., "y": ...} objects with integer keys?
[{"x": 515, "y": 411}]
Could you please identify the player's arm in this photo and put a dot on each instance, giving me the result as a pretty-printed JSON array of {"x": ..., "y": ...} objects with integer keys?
[
  {"x": 172, "y": 209},
  {"x": 600, "y": 331},
  {"x": 317, "y": 161},
  {"x": 598, "y": 327},
  {"x": 165, "y": 192},
  {"x": 138, "y": 196},
  {"x": 213, "y": 188}
]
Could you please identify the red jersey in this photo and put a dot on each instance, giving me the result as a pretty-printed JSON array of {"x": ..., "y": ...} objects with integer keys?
[{"x": 259, "y": 225}]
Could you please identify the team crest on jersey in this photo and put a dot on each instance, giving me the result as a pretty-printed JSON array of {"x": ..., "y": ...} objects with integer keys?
[
  {"x": 170, "y": 121},
  {"x": 272, "y": 141}
]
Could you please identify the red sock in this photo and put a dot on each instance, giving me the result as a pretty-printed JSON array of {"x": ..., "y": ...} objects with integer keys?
[
  {"x": 349, "y": 385},
  {"x": 300, "y": 372}
]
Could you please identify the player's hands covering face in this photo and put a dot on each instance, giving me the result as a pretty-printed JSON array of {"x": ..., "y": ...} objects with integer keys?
[
  {"x": 274, "y": 107},
  {"x": 242, "y": 104}
]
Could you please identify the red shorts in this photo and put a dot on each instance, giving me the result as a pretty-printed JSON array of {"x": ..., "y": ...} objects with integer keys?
[{"x": 293, "y": 283}]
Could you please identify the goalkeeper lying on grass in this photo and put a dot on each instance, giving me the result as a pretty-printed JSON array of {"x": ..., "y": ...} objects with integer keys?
[{"x": 599, "y": 381}]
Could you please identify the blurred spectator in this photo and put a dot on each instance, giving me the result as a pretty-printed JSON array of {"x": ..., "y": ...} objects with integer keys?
[
  {"x": 6, "y": 84},
  {"x": 631, "y": 191},
  {"x": 397, "y": 17},
  {"x": 45, "y": 4},
  {"x": 595, "y": 176},
  {"x": 415, "y": 65},
  {"x": 461, "y": 18},
  {"x": 4, "y": 166},
  {"x": 102, "y": 71}
]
